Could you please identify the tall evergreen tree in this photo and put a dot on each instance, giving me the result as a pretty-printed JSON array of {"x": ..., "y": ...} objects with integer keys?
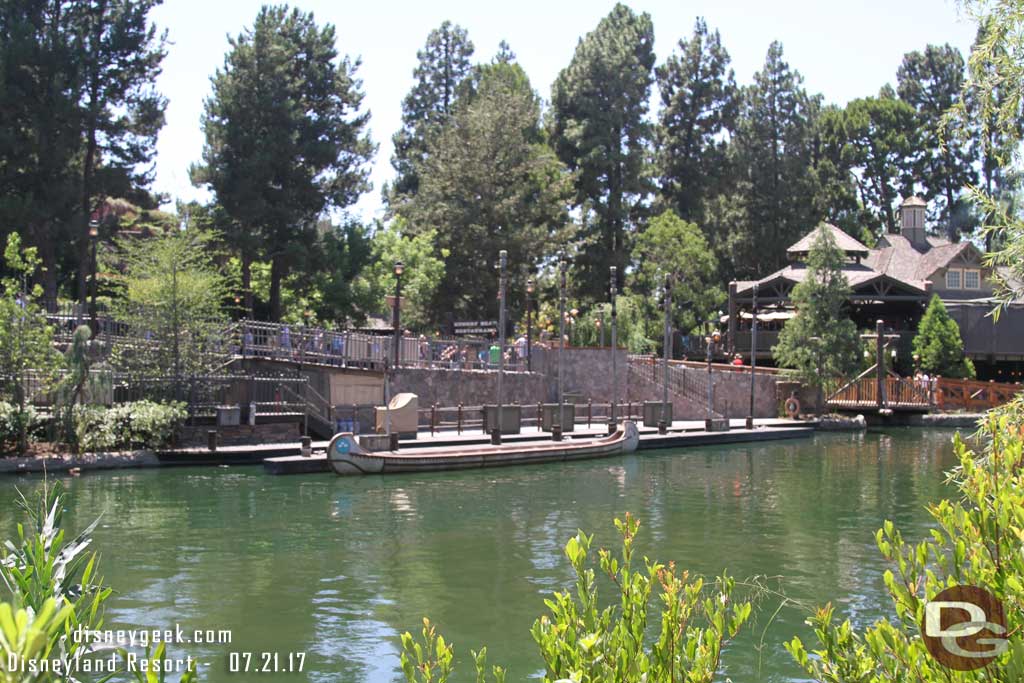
[
  {"x": 821, "y": 343},
  {"x": 774, "y": 147},
  {"x": 877, "y": 141},
  {"x": 930, "y": 82},
  {"x": 599, "y": 129},
  {"x": 939, "y": 345},
  {"x": 700, "y": 102},
  {"x": 122, "y": 112},
  {"x": 285, "y": 138},
  {"x": 489, "y": 182},
  {"x": 443, "y": 64}
]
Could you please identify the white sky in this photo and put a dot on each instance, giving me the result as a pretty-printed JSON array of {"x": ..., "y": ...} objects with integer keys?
[{"x": 843, "y": 49}]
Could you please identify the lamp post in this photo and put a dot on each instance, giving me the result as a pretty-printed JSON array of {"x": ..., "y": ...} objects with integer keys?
[
  {"x": 663, "y": 422},
  {"x": 502, "y": 263},
  {"x": 396, "y": 320},
  {"x": 753, "y": 356},
  {"x": 710, "y": 340},
  {"x": 613, "y": 289},
  {"x": 94, "y": 233},
  {"x": 572, "y": 325},
  {"x": 562, "y": 268},
  {"x": 530, "y": 285}
]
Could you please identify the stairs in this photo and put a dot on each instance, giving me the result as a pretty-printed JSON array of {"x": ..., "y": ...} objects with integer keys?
[{"x": 685, "y": 385}]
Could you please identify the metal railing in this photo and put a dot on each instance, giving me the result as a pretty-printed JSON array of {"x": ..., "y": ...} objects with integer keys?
[{"x": 690, "y": 383}]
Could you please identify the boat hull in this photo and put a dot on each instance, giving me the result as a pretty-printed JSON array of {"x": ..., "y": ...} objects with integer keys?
[{"x": 347, "y": 458}]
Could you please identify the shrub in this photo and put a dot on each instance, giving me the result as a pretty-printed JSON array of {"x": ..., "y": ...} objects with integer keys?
[
  {"x": 141, "y": 424},
  {"x": 15, "y": 422}
]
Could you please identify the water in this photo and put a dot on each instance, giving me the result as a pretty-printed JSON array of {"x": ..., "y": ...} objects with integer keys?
[{"x": 338, "y": 568}]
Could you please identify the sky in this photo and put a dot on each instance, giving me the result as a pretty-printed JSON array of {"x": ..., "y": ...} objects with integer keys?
[{"x": 844, "y": 50}]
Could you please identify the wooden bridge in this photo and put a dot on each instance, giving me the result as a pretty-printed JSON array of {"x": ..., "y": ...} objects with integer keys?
[{"x": 890, "y": 393}]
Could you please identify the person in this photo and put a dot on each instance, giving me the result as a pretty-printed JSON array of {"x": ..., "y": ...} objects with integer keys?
[
  {"x": 424, "y": 347},
  {"x": 521, "y": 350},
  {"x": 737, "y": 360},
  {"x": 495, "y": 353}
]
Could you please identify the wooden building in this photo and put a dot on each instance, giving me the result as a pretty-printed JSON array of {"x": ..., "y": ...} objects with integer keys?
[{"x": 893, "y": 282}]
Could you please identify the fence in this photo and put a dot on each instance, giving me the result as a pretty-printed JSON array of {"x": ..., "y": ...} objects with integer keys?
[
  {"x": 462, "y": 418},
  {"x": 964, "y": 394}
]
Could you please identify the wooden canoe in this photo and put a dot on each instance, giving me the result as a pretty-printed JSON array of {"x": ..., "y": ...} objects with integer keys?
[{"x": 346, "y": 457}]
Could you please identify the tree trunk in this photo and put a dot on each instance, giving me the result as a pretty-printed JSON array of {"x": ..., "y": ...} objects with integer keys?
[
  {"x": 84, "y": 262},
  {"x": 247, "y": 283},
  {"x": 276, "y": 275},
  {"x": 47, "y": 247}
]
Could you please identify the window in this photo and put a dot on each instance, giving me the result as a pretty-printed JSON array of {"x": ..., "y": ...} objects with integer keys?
[
  {"x": 972, "y": 279},
  {"x": 952, "y": 279}
]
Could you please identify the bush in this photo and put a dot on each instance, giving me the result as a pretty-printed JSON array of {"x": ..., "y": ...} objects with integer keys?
[
  {"x": 14, "y": 422},
  {"x": 142, "y": 424}
]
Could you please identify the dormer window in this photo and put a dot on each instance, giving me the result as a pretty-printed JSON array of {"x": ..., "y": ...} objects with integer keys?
[
  {"x": 972, "y": 279},
  {"x": 953, "y": 279}
]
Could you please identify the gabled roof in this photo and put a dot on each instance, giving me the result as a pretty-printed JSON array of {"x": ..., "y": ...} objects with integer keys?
[
  {"x": 898, "y": 257},
  {"x": 914, "y": 201},
  {"x": 850, "y": 246}
]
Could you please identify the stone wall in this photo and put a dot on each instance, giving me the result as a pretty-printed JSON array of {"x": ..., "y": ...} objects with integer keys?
[
  {"x": 587, "y": 372},
  {"x": 731, "y": 393},
  {"x": 468, "y": 387}
]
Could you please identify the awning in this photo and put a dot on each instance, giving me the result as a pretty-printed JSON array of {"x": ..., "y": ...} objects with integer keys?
[{"x": 766, "y": 316}]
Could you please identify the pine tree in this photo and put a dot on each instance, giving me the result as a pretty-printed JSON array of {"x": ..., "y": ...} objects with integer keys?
[
  {"x": 443, "y": 64},
  {"x": 821, "y": 343},
  {"x": 489, "y": 183},
  {"x": 700, "y": 102},
  {"x": 931, "y": 82},
  {"x": 285, "y": 137},
  {"x": 774, "y": 146},
  {"x": 939, "y": 345},
  {"x": 600, "y": 131}
]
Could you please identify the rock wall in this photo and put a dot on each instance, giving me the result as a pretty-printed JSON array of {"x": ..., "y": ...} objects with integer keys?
[{"x": 468, "y": 387}]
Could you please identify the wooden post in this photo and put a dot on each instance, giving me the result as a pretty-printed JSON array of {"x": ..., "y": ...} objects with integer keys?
[
  {"x": 590, "y": 411},
  {"x": 880, "y": 364},
  {"x": 458, "y": 419},
  {"x": 433, "y": 417}
]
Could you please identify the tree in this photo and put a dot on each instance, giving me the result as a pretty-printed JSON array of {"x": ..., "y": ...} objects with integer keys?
[
  {"x": 171, "y": 300},
  {"x": 939, "y": 345},
  {"x": 285, "y": 140},
  {"x": 876, "y": 138},
  {"x": 991, "y": 100},
  {"x": 424, "y": 271},
  {"x": 931, "y": 82},
  {"x": 443, "y": 64},
  {"x": 700, "y": 102},
  {"x": 670, "y": 246},
  {"x": 121, "y": 55},
  {"x": 26, "y": 340},
  {"x": 778, "y": 186},
  {"x": 820, "y": 344},
  {"x": 599, "y": 130},
  {"x": 490, "y": 183}
]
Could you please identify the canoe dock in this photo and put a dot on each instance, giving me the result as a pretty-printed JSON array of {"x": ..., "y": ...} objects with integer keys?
[{"x": 680, "y": 435}]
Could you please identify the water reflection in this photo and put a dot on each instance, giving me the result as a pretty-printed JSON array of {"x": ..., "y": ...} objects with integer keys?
[{"x": 339, "y": 567}]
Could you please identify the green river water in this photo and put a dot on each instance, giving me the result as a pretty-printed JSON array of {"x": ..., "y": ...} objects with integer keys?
[{"x": 338, "y": 568}]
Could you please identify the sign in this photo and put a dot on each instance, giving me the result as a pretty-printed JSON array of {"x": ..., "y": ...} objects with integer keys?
[
  {"x": 462, "y": 328},
  {"x": 964, "y": 628}
]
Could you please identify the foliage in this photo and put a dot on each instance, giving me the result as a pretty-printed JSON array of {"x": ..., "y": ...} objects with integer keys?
[
  {"x": 821, "y": 342},
  {"x": 582, "y": 642},
  {"x": 81, "y": 117},
  {"x": 599, "y": 130},
  {"x": 939, "y": 345},
  {"x": 424, "y": 271},
  {"x": 83, "y": 381},
  {"x": 52, "y": 589},
  {"x": 977, "y": 543},
  {"x": 171, "y": 299},
  {"x": 26, "y": 340},
  {"x": 991, "y": 104},
  {"x": 930, "y": 82},
  {"x": 443, "y": 64},
  {"x": 700, "y": 102},
  {"x": 139, "y": 424},
  {"x": 283, "y": 75},
  {"x": 631, "y": 326},
  {"x": 774, "y": 149},
  {"x": 18, "y": 423},
  {"x": 489, "y": 183}
]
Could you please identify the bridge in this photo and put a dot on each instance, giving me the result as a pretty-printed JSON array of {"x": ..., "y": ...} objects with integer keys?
[{"x": 889, "y": 393}]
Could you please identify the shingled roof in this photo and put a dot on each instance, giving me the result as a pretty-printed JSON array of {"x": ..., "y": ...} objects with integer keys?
[{"x": 849, "y": 245}]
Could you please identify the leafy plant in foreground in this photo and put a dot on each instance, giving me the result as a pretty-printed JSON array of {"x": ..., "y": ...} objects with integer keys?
[{"x": 978, "y": 542}]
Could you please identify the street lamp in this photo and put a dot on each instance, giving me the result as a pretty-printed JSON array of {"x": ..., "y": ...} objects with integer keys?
[
  {"x": 396, "y": 321},
  {"x": 94, "y": 233},
  {"x": 562, "y": 268},
  {"x": 530, "y": 286},
  {"x": 713, "y": 337},
  {"x": 502, "y": 263},
  {"x": 753, "y": 355},
  {"x": 612, "y": 290},
  {"x": 663, "y": 422}
]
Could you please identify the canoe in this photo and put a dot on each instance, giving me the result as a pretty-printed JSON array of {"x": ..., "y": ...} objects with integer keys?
[{"x": 347, "y": 457}]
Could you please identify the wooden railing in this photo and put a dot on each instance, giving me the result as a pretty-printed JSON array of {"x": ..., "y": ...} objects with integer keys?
[
  {"x": 953, "y": 394},
  {"x": 899, "y": 392}
]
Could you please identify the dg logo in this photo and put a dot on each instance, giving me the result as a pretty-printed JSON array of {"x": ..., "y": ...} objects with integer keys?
[{"x": 964, "y": 628}]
